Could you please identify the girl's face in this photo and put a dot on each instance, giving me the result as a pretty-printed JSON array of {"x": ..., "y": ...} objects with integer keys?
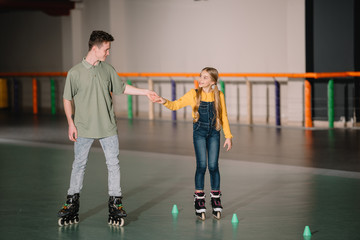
[{"x": 205, "y": 80}]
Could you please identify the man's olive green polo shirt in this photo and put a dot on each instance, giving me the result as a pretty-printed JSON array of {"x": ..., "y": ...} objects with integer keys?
[{"x": 90, "y": 87}]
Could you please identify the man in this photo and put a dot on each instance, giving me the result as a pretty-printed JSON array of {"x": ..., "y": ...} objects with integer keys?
[{"x": 89, "y": 85}]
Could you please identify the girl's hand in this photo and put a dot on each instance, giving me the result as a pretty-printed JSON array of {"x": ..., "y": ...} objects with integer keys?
[
  {"x": 152, "y": 96},
  {"x": 228, "y": 142},
  {"x": 160, "y": 100}
]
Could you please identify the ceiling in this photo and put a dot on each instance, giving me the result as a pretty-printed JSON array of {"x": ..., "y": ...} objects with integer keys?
[{"x": 50, "y": 7}]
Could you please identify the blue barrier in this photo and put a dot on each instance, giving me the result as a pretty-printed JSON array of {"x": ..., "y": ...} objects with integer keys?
[
  {"x": 277, "y": 103},
  {"x": 173, "y": 97}
]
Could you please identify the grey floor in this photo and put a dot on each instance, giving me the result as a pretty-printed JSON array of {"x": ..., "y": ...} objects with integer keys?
[{"x": 276, "y": 180}]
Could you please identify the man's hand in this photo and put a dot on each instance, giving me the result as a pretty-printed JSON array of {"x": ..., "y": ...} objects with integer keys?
[
  {"x": 153, "y": 96},
  {"x": 72, "y": 133}
]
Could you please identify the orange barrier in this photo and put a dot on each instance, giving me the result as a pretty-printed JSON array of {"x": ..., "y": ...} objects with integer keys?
[
  {"x": 33, "y": 74},
  {"x": 35, "y": 97},
  {"x": 272, "y": 75},
  {"x": 196, "y": 84},
  {"x": 4, "y": 103},
  {"x": 308, "y": 119}
]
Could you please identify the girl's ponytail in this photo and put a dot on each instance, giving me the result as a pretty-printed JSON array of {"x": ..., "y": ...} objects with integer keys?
[
  {"x": 217, "y": 106},
  {"x": 196, "y": 108}
]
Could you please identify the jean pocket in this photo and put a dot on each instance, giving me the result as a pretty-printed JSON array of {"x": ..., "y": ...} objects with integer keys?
[{"x": 196, "y": 126}]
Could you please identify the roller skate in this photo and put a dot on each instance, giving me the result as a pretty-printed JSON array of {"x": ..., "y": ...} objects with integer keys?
[
  {"x": 69, "y": 212},
  {"x": 199, "y": 203},
  {"x": 116, "y": 212},
  {"x": 216, "y": 204}
]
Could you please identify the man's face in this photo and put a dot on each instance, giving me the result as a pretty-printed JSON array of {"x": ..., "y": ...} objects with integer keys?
[{"x": 102, "y": 52}]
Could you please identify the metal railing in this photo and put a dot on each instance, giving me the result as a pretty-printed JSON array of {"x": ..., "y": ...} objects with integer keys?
[{"x": 157, "y": 78}]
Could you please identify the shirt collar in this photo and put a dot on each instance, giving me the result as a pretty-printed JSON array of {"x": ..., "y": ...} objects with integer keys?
[{"x": 88, "y": 65}]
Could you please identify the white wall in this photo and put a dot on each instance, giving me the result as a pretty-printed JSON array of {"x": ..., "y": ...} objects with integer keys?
[
  {"x": 162, "y": 36},
  {"x": 173, "y": 36},
  {"x": 233, "y": 35}
]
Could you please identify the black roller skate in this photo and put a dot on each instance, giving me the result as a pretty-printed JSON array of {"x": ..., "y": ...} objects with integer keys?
[
  {"x": 69, "y": 212},
  {"x": 116, "y": 212},
  {"x": 199, "y": 203},
  {"x": 216, "y": 204}
]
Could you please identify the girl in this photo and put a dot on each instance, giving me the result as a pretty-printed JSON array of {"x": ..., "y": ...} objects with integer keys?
[{"x": 209, "y": 115}]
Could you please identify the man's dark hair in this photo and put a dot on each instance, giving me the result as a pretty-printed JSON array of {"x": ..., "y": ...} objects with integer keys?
[{"x": 98, "y": 37}]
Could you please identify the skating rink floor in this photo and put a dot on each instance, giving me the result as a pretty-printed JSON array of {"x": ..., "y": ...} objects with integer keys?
[{"x": 276, "y": 180}]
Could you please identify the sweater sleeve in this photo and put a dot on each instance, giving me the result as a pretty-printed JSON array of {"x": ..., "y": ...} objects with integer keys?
[
  {"x": 186, "y": 100},
  {"x": 224, "y": 118}
]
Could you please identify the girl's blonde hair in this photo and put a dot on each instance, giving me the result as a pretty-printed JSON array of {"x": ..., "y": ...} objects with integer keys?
[{"x": 217, "y": 105}]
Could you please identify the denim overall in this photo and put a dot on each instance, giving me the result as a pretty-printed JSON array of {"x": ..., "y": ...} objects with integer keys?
[{"x": 206, "y": 141}]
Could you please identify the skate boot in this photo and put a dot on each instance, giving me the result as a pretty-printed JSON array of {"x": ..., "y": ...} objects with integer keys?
[
  {"x": 69, "y": 212},
  {"x": 116, "y": 212},
  {"x": 216, "y": 204},
  {"x": 199, "y": 203}
]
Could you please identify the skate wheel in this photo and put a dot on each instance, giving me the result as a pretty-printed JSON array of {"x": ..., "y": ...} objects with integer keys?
[
  {"x": 76, "y": 220},
  {"x": 122, "y": 222},
  {"x": 61, "y": 222},
  {"x": 217, "y": 215},
  {"x": 119, "y": 222},
  {"x": 202, "y": 216}
]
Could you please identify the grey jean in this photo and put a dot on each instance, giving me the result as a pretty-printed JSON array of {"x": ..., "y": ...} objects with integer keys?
[{"x": 110, "y": 146}]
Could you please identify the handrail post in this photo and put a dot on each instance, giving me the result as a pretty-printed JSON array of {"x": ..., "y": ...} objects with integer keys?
[
  {"x": 151, "y": 104},
  {"x": 331, "y": 103},
  {"x": 130, "y": 105},
  {"x": 16, "y": 97},
  {"x": 4, "y": 98},
  {"x": 277, "y": 103},
  {"x": 249, "y": 100},
  {"x": 196, "y": 84},
  {"x": 222, "y": 86},
  {"x": 35, "y": 96},
  {"x": 52, "y": 94},
  {"x": 307, "y": 92},
  {"x": 173, "y": 97}
]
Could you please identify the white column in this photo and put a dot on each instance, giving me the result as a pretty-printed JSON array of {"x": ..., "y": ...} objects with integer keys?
[
  {"x": 117, "y": 20},
  {"x": 295, "y": 33},
  {"x": 76, "y": 16}
]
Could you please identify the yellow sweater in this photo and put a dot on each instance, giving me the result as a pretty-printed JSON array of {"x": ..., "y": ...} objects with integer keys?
[{"x": 190, "y": 99}]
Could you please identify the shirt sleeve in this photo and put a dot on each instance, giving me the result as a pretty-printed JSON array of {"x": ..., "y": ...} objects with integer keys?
[
  {"x": 186, "y": 100},
  {"x": 224, "y": 118},
  {"x": 118, "y": 85},
  {"x": 70, "y": 88}
]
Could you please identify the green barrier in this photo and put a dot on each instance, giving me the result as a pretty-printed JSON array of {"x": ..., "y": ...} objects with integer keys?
[
  {"x": 222, "y": 87},
  {"x": 130, "y": 108},
  {"x": 53, "y": 96},
  {"x": 331, "y": 103}
]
